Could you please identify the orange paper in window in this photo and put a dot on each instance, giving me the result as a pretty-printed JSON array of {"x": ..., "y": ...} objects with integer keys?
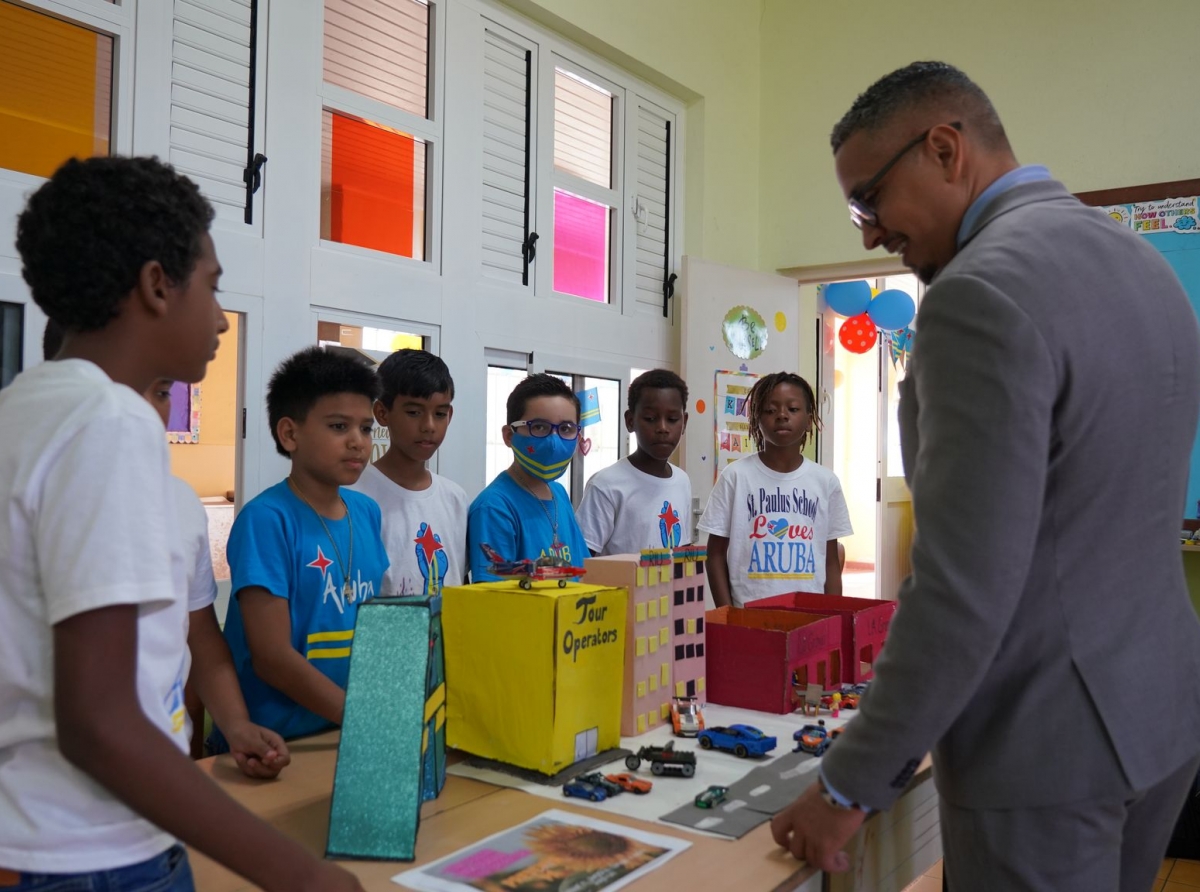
[
  {"x": 56, "y": 99},
  {"x": 372, "y": 185}
]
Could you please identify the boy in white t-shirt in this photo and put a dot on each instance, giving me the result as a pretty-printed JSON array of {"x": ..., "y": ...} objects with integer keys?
[
  {"x": 424, "y": 514},
  {"x": 258, "y": 751},
  {"x": 92, "y": 615},
  {"x": 643, "y": 501}
]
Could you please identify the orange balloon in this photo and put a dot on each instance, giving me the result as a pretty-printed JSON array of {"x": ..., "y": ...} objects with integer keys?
[{"x": 700, "y": 407}]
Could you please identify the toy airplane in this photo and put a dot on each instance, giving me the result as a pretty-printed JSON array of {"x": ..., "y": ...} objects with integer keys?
[{"x": 529, "y": 571}]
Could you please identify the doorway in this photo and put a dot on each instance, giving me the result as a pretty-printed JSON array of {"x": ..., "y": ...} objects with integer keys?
[
  {"x": 865, "y": 445},
  {"x": 204, "y": 439}
]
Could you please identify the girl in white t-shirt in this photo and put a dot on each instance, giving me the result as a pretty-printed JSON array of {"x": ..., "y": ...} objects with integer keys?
[{"x": 774, "y": 518}]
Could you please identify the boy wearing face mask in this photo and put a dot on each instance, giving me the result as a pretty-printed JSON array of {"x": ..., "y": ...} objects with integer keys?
[{"x": 523, "y": 513}]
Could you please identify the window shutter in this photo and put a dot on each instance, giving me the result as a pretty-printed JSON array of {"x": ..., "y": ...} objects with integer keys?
[
  {"x": 380, "y": 49},
  {"x": 652, "y": 206},
  {"x": 506, "y": 195},
  {"x": 211, "y": 98}
]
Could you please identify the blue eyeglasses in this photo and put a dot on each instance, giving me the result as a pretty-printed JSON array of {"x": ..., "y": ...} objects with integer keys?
[{"x": 540, "y": 427}]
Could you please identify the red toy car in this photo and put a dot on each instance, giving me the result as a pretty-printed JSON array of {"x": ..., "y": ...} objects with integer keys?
[{"x": 629, "y": 783}]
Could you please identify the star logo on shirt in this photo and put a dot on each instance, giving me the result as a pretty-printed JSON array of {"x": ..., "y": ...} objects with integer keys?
[
  {"x": 669, "y": 527},
  {"x": 322, "y": 563},
  {"x": 428, "y": 542}
]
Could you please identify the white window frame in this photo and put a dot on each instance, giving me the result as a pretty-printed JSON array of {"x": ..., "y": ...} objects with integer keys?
[
  {"x": 118, "y": 22},
  {"x": 429, "y": 130},
  {"x": 549, "y": 50},
  {"x": 553, "y": 178}
]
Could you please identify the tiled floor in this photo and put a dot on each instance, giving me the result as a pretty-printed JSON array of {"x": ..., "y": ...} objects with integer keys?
[{"x": 1174, "y": 876}]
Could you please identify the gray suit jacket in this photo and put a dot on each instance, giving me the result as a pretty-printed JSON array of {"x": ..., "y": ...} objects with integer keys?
[{"x": 1044, "y": 641}]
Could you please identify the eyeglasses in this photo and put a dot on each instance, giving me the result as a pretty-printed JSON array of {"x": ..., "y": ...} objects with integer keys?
[
  {"x": 540, "y": 427},
  {"x": 861, "y": 213}
]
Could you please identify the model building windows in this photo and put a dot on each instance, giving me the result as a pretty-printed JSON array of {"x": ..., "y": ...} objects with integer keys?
[
  {"x": 679, "y": 627},
  {"x": 679, "y": 597},
  {"x": 700, "y": 625},
  {"x": 700, "y": 650},
  {"x": 679, "y": 651},
  {"x": 679, "y": 570},
  {"x": 691, "y": 594},
  {"x": 691, "y": 651}
]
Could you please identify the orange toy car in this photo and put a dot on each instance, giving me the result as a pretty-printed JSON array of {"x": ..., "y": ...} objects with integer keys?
[{"x": 629, "y": 783}]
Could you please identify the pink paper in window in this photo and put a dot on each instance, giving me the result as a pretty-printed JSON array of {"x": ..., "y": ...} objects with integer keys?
[{"x": 580, "y": 247}]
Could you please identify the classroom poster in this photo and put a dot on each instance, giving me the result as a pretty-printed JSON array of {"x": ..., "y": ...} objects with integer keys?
[
  {"x": 730, "y": 417},
  {"x": 554, "y": 852},
  {"x": 1167, "y": 215}
]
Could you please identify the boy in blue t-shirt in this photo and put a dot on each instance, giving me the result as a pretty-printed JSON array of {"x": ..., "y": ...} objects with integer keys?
[
  {"x": 523, "y": 514},
  {"x": 306, "y": 552}
]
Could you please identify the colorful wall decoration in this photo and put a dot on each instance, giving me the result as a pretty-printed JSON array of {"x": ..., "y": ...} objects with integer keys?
[{"x": 730, "y": 419}]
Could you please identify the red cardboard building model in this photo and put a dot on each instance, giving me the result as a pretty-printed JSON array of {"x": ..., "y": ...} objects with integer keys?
[
  {"x": 756, "y": 657},
  {"x": 864, "y": 625}
]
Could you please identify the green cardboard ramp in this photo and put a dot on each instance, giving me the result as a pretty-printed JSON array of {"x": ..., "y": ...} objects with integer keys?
[{"x": 377, "y": 785}]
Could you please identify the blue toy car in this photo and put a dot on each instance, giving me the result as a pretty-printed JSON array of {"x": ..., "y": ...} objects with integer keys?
[
  {"x": 741, "y": 740},
  {"x": 581, "y": 789}
]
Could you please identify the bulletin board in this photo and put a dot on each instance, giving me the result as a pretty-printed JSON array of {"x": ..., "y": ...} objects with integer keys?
[{"x": 731, "y": 420}]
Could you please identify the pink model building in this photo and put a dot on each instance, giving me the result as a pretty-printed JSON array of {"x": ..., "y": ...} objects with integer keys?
[{"x": 664, "y": 641}]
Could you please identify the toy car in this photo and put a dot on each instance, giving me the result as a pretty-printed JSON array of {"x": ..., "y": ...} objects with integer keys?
[
  {"x": 812, "y": 739},
  {"x": 529, "y": 571},
  {"x": 741, "y": 740},
  {"x": 687, "y": 719},
  {"x": 664, "y": 760},
  {"x": 581, "y": 789},
  {"x": 629, "y": 783},
  {"x": 596, "y": 779},
  {"x": 711, "y": 796}
]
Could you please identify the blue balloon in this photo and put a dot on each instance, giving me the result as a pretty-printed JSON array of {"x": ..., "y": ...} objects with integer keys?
[
  {"x": 848, "y": 298},
  {"x": 892, "y": 310}
]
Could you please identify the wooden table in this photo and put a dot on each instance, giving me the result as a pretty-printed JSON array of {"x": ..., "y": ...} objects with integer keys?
[{"x": 468, "y": 810}]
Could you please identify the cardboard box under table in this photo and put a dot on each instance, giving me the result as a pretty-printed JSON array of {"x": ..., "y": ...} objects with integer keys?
[
  {"x": 864, "y": 626},
  {"x": 534, "y": 677},
  {"x": 754, "y": 656}
]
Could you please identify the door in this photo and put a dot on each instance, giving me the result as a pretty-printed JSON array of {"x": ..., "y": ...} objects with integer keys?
[
  {"x": 894, "y": 517},
  {"x": 737, "y": 326}
]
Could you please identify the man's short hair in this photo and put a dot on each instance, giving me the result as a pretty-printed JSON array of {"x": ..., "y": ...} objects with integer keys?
[
  {"x": 413, "y": 373},
  {"x": 922, "y": 85},
  {"x": 86, "y": 233},
  {"x": 656, "y": 379},
  {"x": 534, "y": 386},
  {"x": 305, "y": 377}
]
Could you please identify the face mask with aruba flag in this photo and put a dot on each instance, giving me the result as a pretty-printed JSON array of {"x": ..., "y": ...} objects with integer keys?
[{"x": 546, "y": 458}]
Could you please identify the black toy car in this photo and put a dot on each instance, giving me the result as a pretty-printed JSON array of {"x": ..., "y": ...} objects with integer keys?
[
  {"x": 596, "y": 779},
  {"x": 664, "y": 760}
]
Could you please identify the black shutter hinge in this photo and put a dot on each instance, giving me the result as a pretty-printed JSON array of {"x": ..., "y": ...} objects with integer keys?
[
  {"x": 529, "y": 248},
  {"x": 668, "y": 293}
]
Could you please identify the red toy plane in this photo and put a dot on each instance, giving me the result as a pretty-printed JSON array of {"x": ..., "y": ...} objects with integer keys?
[{"x": 529, "y": 571}]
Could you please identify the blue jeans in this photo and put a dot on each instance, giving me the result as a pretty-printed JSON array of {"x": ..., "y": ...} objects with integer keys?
[{"x": 168, "y": 872}]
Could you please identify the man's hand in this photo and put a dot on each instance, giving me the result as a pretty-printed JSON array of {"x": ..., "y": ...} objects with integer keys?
[
  {"x": 259, "y": 752},
  {"x": 816, "y": 832}
]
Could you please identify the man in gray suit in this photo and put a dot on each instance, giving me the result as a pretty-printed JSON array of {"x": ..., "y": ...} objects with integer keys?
[{"x": 1044, "y": 647}]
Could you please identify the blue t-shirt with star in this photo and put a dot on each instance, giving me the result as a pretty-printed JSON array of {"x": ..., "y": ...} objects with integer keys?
[{"x": 278, "y": 543}]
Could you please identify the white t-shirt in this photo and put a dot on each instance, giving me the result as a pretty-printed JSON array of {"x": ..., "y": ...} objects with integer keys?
[
  {"x": 424, "y": 533},
  {"x": 192, "y": 522},
  {"x": 777, "y": 525},
  {"x": 86, "y": 521},
  {"x": 624, "y": 511}
]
